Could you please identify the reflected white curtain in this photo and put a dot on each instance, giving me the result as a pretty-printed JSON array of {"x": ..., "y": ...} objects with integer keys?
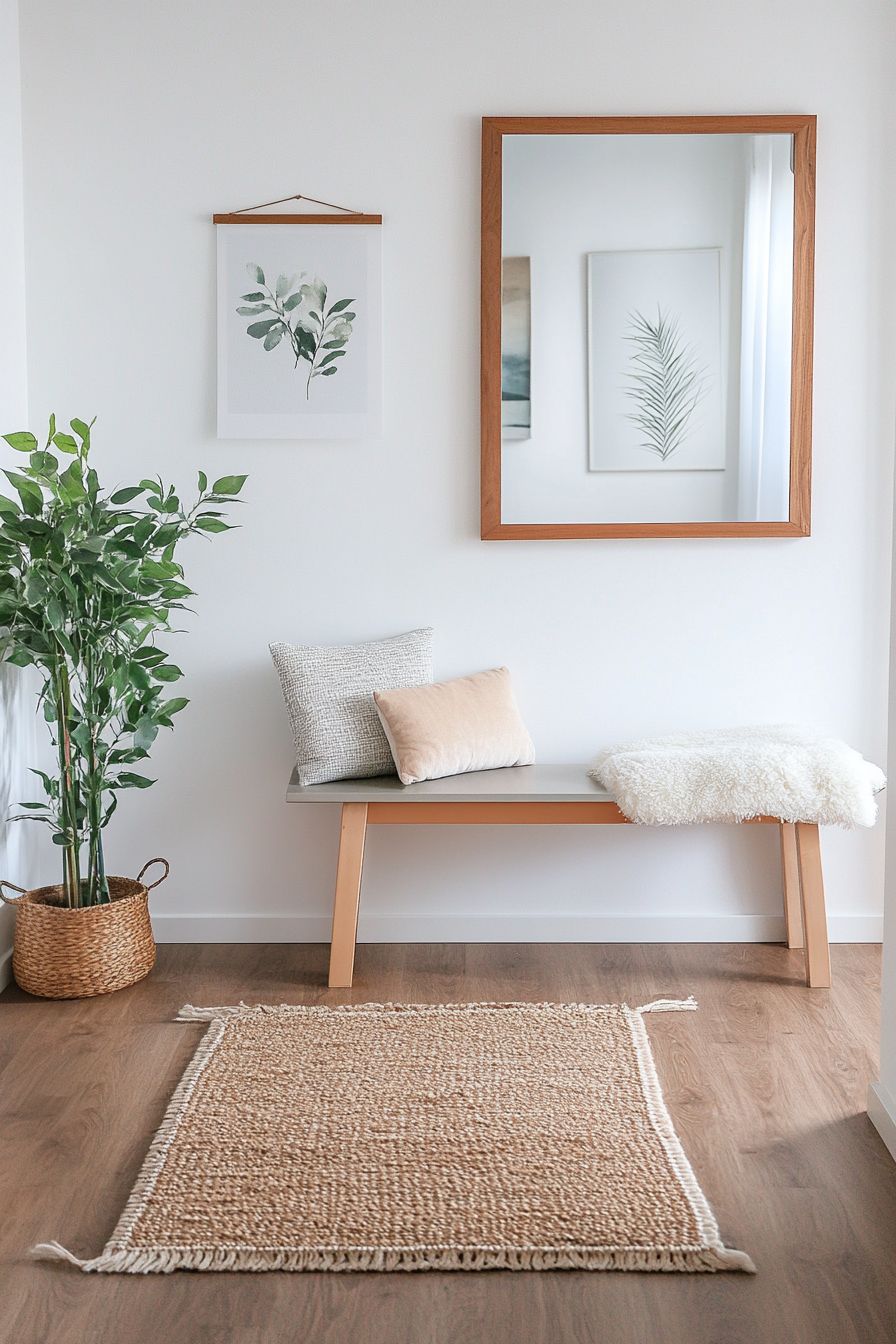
[{"x": 764, "y": 457}]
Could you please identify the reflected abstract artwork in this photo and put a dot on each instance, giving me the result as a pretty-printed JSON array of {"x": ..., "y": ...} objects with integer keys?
[{"x": 516, "y": 347}]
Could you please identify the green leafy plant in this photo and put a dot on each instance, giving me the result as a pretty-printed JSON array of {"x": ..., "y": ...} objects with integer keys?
[
  {"x": 665, "y": 381},
  {"x": 88, "y": 582},
  {"x": 295, "y": 311}
]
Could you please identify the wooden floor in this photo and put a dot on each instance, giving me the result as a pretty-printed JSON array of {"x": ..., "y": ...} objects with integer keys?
[{"x": 766, "y": 1085}]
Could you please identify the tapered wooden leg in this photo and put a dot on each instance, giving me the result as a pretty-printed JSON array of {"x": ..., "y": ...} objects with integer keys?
[
  {"x": 793, "y": 915},
  {"x": 348, "y": 894},
  {"x": 815, "y": 924}
]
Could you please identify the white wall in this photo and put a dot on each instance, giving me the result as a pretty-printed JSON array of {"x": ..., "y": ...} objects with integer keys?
[
  {"x": 140, "y": 120},
  {"x": 17, "y": 726},
  {"x": 882, "y": 1094},
  {"x": 566, "y": 196}
]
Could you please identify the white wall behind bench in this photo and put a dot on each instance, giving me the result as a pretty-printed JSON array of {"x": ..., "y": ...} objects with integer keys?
[{"x": 140, "y": 120}]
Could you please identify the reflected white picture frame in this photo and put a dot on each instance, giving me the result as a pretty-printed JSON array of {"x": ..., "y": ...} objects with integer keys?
[{"x": 656, "y": 386}]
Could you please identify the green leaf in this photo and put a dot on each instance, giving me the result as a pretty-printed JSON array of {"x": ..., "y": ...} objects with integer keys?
[
  {"x": 334, "y": 354},
  {"x": 82, "y": 430},
  {"x": 161, "y": 569},
  {"x": 70, "y": 484},
  {"x": 128, "y": 780},
  {"x": 324, "y": 373},
  {"x": 139, "y": 677},
  {"x": 125, "y": 496},
  {"x": 273, "y": 338},
  {"x": 307, "y": 342},
  {"x": 45, "y": 463},
  {"x": 252, "y": 310},
  {"x": 317, "y": 292},
  {"x": 65, "y": 443},
  {"x": 229, "y": 485},
  {"x": 23, "y": 442},
  {"x": 149, "y": 655},
  {"x": 292, "y": 302},
  {"x": 335, "y": 345},
  {"x": 339, "y": 307},
  {"x": 144, "y": 530},
  {"x": 55, "y": 613},
  {"x": 283, "y": 286},
  {"x": 29, "y": 493},
  {"x": 203, "y": 482},
  {"x": 256, "y": 273},
  {"x": 213, "y": 524},
  {"x": 259, "y": 329},
  {"x": 146, "y": 733},
  {"x": 174, "y": 706},
  {"x": 167, "y": 672},
  {"x": 256, "y": 297}
]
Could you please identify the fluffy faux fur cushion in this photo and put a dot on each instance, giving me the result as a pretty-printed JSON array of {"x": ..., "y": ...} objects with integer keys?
[{"x": 775, "y": 771}]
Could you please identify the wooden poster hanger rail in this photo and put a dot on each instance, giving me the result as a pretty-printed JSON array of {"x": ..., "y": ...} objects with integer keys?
[{"x": 346, "y": 217}]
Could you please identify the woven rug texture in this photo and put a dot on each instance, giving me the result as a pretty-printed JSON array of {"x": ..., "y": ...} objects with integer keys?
[{"x": 411, "y": 1137}]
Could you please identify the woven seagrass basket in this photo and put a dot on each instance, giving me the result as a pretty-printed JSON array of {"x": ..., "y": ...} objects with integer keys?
[{"x": 62, "y": 953}]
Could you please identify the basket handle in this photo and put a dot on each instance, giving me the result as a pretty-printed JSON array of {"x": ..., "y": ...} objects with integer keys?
[
  {"x": 149, "y": 863},
  {"x": 12, "y": 900}
]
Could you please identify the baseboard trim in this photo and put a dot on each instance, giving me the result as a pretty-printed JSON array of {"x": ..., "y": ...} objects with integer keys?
[
  {"x": 882, "y": 1114},
  {"x": 376, "y": 928},
  {"x": 5, "y": 969}
]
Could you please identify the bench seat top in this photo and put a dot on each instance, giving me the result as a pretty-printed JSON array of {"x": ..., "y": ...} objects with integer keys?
[{"x": 513, "y": 784}]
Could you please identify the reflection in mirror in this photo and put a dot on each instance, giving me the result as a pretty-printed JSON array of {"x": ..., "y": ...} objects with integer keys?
[{"x": 647, "y": 291}]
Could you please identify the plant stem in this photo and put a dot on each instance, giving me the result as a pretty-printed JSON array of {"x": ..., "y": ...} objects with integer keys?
[
  {"x": 320, "y": 341},
  {"x": 67, "y": 788}
]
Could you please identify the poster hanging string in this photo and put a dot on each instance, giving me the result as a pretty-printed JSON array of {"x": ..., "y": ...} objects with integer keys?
[{"x": 246, "y": 209}]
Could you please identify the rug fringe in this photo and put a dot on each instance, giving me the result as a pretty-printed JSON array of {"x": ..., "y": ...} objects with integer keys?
[
  {"x": 190, "y": 1013},
  {"x": 166, "y": 1260},
  {"x": 688, "y": 1005},
  {"x": 51, "y": 1250}
]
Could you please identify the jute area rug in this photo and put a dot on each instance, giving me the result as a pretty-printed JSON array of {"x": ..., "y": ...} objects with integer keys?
[{"x": 411, "y": 1137}]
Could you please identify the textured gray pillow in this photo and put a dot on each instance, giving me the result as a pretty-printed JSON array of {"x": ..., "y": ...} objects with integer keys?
[{"x": 329, "y": 695}]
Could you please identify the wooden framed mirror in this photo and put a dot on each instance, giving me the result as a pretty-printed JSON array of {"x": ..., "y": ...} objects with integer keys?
[{"x": 646, "y": 340}]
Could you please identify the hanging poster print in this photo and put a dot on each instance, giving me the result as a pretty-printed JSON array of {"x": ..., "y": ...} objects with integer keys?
[{"x": 299, "y": 328}]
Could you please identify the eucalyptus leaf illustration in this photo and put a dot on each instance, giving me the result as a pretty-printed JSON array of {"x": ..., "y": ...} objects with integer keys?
[
  {"x": 294, "y": 310},
  {"x": 666, "y": 382}
]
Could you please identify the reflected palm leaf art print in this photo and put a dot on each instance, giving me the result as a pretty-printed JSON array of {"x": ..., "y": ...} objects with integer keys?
[
  {"x": 665, "y": 382},
  {"x": 294, "y": 310}
]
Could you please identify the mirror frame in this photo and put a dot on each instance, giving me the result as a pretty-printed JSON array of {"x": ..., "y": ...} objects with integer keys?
[{"x": 802, "y": 128}]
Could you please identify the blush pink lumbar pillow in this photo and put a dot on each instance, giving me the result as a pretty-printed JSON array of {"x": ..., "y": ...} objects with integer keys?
[{"x": 451, "y": 727}]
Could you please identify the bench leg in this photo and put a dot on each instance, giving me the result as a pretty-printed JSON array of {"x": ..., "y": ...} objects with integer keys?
[
  {"x": 793, "y": 915},
  {"x": 815, "y": 924},
  {"x": 348, "y": 894}
]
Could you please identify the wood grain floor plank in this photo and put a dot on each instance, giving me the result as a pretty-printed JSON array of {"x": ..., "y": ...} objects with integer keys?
[{"x": 766, "y": 1084}]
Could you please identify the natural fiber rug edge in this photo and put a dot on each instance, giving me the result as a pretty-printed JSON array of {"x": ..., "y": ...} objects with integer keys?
[{"x": 117, "y": 1257}]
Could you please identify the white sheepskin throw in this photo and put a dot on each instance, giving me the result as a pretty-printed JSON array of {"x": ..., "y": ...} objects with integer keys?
[{"x": 737, "y": 773}]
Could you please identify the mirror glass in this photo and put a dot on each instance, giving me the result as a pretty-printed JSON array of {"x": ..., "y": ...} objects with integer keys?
[{"x": 646, "y": 309}]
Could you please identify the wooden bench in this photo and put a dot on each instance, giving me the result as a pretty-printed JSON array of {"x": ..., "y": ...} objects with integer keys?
[{"x": 531, "y": 795}]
